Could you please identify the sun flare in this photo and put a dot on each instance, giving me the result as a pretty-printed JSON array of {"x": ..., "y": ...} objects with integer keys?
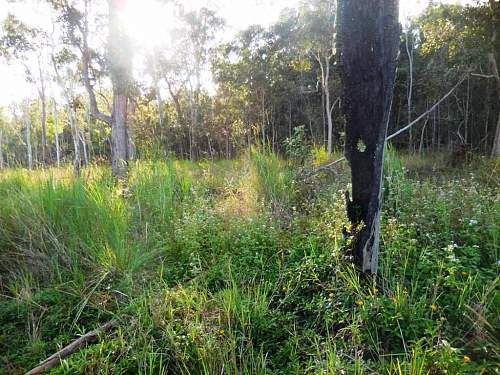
[{"x": 149, "y": 22}]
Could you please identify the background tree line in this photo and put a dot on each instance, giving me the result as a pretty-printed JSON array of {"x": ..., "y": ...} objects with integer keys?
[{"x": 268, "y": 81}]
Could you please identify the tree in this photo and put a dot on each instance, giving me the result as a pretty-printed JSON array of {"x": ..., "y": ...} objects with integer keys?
[
  {"x": 21, "y": 43},
  {"x": 120, "y": 66},
  {"x": 493, "y": 58},
  {"x": 318, "y": 33},
  {"x": 27, "y": 124},
  {"x": 118, "y": 63},
  {"x": 368, "y": 41}
]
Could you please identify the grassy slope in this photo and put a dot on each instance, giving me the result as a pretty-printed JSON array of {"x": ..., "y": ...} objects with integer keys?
[{"x": 237, "y": 268}]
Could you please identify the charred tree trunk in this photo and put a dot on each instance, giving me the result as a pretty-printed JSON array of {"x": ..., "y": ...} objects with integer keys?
[
  {"x": 368, "y": 43},
  {"x": 493, "y": 59}
]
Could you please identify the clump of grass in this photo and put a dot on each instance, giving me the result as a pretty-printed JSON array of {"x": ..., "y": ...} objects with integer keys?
[{"x": 274, "y": 180}]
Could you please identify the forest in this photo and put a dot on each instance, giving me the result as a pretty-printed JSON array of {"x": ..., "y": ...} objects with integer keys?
[{"x": 318, "y": 194}]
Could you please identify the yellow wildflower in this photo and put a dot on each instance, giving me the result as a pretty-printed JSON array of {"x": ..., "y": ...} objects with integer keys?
[
  {"x": 221, "y": 332},
  {"x": 467, "y": 359},
  {"x": 331, "y": 295},
  {"x": 434, "y": 307},
  {"x": 360, "y": 303}
]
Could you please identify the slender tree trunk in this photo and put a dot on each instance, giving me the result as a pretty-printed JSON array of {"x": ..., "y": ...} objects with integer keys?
[
  {"x": 327, "y": 105},
  {"x": 327, "y": 109},
  {"x": 1, "y": 149},
  {"x": 160, "y": 115},
  {"x": 410, "y": 88},
  {"x": 130, "y": 129},
  {"x": 44, "y": 112},
  {"x": 56, "y": 134},
  {"x": 368, "y": 41},
  {"x": 323, "y": 113},
  {"x": 85, "y": 152},
  {"x": 76, "y": 141},
  {"x": 263, "y": 110},
  {"x": 27, "y": 124}
]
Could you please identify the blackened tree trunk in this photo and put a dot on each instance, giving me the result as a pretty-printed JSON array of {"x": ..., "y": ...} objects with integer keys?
[
  {"x": 493, "y": 57},
  {"x": 368, "y": 43}
]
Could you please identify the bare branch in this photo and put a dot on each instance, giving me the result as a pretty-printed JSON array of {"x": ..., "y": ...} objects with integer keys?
[{"x": 55, "y": 359}]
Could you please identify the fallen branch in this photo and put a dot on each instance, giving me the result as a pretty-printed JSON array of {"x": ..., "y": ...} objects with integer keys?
[
  {"x": 423, "y": 115},
  {"x": 55, "y": 359}
]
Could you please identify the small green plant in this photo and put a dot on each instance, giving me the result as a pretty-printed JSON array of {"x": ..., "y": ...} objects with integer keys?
[{"x": 296, "y": 146}]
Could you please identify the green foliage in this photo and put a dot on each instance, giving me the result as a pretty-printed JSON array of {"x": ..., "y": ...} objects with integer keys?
[
  {"x": 206, "y": 276},
  {"x": 296, "y": 146},
  {"x": 274, "y": 179}
]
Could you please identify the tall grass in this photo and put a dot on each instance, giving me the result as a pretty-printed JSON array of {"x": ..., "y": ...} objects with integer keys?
[{"x": 274, "y": 179}]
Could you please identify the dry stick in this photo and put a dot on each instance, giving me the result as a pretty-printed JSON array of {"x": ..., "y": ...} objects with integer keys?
[
  {"x": 327, "y": 166},
  {"x": 55, "y": 359}
]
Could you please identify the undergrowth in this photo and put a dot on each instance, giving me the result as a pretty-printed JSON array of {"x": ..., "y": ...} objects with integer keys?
[{"x": 239, "y": 267}]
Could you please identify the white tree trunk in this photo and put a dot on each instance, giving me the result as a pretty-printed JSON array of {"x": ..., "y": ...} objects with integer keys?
[
  {"x": 74, "y": 136},
  {"x": 328, "y": 107},
  {"x": 27, "y": 124},
  {"x": 1, "y": 149},
  {"x": 56, "y": 134},
  {"x": 410, "y": 88}
]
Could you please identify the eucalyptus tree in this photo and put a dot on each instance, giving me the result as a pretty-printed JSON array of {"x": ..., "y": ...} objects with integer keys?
[
  {"x": 2, "y": 135},
  {"x": 28, "y": 128},
  {"x": 66, "y": 82},
  {"x": 200, "y": 29},
  {"x": 76, "y": 18},
  {"x": 26, "y": 45},
  {"x": 318, "y": 22},
  {"x": 368, "y": 41}
]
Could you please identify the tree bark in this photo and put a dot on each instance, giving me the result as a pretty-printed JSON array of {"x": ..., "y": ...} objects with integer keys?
[
  {"x": 325, "y": 86},
  {"x": 1, "y": 149},
  {"x": 120, "y": 67},
  {"x": 410, "y": 89},
  {"x": 56, "y": 134},
  {"x": 76, "y": 141},
  {"x": 27, "y": 124},
  {"x": 43, "y": 119},
  {"x": 368, "y": 43},
  {"x": 493, "y": 58}
]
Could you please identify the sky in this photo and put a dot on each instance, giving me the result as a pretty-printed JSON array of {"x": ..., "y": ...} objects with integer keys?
[{"x": 145, "y": 17}]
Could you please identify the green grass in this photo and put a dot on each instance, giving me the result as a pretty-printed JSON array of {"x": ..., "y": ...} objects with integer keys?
[{"x": 238, "y": 267}]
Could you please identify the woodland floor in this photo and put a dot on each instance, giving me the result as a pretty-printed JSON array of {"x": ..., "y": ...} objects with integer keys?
[{"x": 240, "y": 267}]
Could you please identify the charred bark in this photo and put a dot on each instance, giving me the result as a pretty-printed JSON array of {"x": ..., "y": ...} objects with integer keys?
[
  {"x": 493, "y": 59},
  {"x": 368, "y": 43}
]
